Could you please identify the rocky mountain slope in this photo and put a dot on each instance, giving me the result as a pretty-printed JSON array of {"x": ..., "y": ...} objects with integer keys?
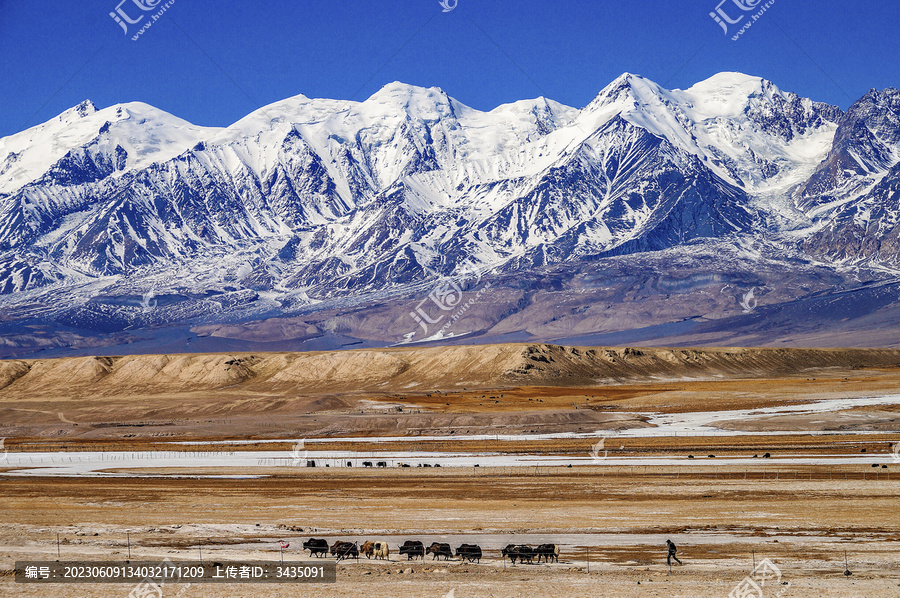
[{"x": 647, "y": 207}]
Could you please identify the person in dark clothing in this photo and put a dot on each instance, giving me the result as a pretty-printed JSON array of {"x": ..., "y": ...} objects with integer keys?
[{"x": 672, "y": 550}]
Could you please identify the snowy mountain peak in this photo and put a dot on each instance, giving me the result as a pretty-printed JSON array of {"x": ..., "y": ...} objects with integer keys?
[
  {"x": 865, "y": 147},
  {"x": 333, "y": 194},
  {"x": 744, "y": 128},
  {"x": 728, "y": 94},
  {"x": 132, "y": 135},
  {"x": 627, "y": 88},
  {"x": 85, "y": 108},
  {"x": 425, "y": 103},
  {"x": 312, "y": 202},
  {"x": 398, "y": 90},
  {"x": 888, "y": 94},
  {"x": 730, "y": 80},
  {"x": 881, "y": 112}
]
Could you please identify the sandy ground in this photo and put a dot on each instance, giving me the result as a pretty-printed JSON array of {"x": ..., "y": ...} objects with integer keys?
[
  {"x": 611, "y": 518},
  {"x": 720, "y": 521},
  {"x": 459, "y": 390}
]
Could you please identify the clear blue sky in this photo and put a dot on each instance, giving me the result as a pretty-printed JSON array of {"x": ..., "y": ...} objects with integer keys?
[{"x": 212, "y": 62}]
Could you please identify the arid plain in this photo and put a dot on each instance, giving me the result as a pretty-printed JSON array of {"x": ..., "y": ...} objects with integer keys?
[{"x": 738, "y": 455}]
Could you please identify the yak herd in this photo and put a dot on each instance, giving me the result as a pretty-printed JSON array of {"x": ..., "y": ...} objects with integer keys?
[{"x": 414, "y": 549}]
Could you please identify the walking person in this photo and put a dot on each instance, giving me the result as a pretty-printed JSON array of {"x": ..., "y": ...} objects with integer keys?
[{"x": 672, "y": 550}]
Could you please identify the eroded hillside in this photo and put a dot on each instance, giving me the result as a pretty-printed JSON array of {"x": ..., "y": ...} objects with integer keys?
[{"x": 409, "y": 370}]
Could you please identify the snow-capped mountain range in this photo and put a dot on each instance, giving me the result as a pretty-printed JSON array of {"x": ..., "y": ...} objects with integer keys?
[{"x": 316, "y": 205}]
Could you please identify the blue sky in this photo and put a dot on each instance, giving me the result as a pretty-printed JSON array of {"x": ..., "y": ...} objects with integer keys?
[{"x": 212, "y": 62}]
